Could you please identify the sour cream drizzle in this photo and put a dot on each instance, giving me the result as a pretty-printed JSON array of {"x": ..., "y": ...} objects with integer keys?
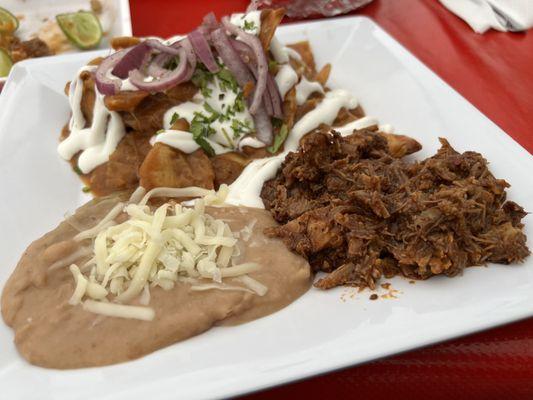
[
  {"x": 305, "y": 88},
  {"x": 360, "y": 123},
  {"x": 96, "y": 142},
  {"x": 250, "y": 22},
  {"x": 286, "y": 78},
  {"x": 223, "y": 139}
]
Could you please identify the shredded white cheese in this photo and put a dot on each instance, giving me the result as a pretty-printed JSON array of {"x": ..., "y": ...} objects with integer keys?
[{"x": 151, "y": 248}]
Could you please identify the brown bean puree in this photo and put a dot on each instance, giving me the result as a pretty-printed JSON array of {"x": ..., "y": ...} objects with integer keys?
[{"x": 49, "y": 332}]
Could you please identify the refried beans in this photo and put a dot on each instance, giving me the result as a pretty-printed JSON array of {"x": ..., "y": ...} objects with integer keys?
[{"x": 49, "y": 332}]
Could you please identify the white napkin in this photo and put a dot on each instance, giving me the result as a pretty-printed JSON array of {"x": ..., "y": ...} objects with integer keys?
[{"x": 502, "y": 15}]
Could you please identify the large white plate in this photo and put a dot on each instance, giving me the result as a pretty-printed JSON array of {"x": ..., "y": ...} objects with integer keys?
[{"x": 322, "y": 330}]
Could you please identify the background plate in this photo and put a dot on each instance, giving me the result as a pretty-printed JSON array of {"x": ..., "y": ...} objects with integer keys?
[{"x": 322, "y": 330}]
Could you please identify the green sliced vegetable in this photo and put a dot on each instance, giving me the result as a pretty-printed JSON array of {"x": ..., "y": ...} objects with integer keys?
[
  {"x": 82, "y": 28},
  {"x": 8, "y": 22},
  {"x": 279, "y": 139},
  {"x": 5, "y": 63}
]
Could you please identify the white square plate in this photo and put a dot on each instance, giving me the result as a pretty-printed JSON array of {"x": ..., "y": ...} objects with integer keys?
[{"x": 321, "y": 331}]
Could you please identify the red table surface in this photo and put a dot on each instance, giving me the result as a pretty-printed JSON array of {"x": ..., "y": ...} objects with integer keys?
[{"x": 494, "y": 72}]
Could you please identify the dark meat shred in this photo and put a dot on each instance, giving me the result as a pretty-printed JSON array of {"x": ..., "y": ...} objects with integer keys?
[{"x": 355, "y": 211}]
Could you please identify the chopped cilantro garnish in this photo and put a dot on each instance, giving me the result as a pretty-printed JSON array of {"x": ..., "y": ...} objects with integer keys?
[
  {"x": 204, "y": 144},
  {"x": 77, "y": 170},
  {"x": 226, "y": 81},
  {"x": 240, "y": 128},
  {"x": 173, "y": 63},
  {"x": 86, "y": 189},
  {"x": 174, "y": 118},
  {"x": 238, "y": 106},
  {"x": 226, "y": 136},
  {"x": 272, "y": 65},
  {"x": 279, "y": 139},
  {"x": 211, "y": 110},
  {"x": 249, "y": 25},
  {"x": 201, "y": 78}
]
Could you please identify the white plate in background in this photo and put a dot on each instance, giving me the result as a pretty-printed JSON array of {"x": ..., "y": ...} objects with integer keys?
[
  {"x": 321, "y": 331},
  {"x": 115, "y": 18},
  {"x": 35, "y": 14}
]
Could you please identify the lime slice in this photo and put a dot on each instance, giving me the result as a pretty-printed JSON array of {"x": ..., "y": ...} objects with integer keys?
[
  {"x": 82, "y": 28},
  {"x": 5, "y": 63},
  {"x": 8, "y": 22}
]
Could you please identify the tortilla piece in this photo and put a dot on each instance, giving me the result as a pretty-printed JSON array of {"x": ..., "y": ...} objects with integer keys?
[
  {"x": 182, "y": 92},
  {"x": 88, "y": 96},
  {"x": 304, "y": 49},
  {"x": 345, "y": 116},
  {"x": 121, "y": 171},
  {"x": 125, "y": 101},
  {"x": 270, "y": 19},
  {"x": 228, "y": 167},
  {"x": 401, "y": 145},
  {"x": 168, "y": 167},
  {"x": 323, "y": 75},
  {"x": 290, "y": 107},
  {"x": 123, "y": 42},
  {"x": 148, "y": 115}
]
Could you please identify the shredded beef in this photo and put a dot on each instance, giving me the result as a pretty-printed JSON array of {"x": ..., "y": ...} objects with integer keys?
[{"x": 355, "y": 211}]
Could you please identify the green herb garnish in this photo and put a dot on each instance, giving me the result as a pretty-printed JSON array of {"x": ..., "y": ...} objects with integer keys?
[
  {"x": 204, "y": 144},
  {"x": 238, "y": 106},
  {"x": 86, "y": 189},
  {"x": 201, "y": 78},
  {"x": 77, "y": 170},
  {"x": 279, "y": 139},
  {"x": 249, "y": 25},
  {"x": 272, "y": 65},
  {"x": 240, "y": 128},
  {"x": 174, "y": 118},
  {"x": 226, "y": 81}
]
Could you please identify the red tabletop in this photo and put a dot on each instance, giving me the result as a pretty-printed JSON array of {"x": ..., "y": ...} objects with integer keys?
[{"x": 494, "y": 72}]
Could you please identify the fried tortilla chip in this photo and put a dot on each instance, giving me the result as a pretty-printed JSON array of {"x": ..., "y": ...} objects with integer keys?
[
  {"x": 270, "y": 19},
  {"x": 228, "y": 167},
  {"x": 168, "y": 167},
  {"x": 304, "y": 49},
  {"x": 125, "y": 101},
  {"x": 120, "y": 172}
]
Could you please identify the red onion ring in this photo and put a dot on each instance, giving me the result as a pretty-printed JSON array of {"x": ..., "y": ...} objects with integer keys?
[
  {"x": 105, "y": 85},
  {"x": 191, "y": 57},
  {"x": 210, "y": 22},
  {"x": 262, "y": 65},
  {"x": 263, "y": 126},
  {"x": 231, "y": 58},
  {"x": 203, "y": 50},
  {"x": 171, "y": 78},
  {"x": 275, "y": 97},
  {"x": 133, "y": 59},
  {"x": 272, "y": 97},
  {"x": 157, "y": 45},
  {"x": 156, "y": 67},
  {"x": 241, "y": 73}
]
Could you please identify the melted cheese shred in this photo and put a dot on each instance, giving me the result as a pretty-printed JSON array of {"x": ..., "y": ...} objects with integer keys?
[{"x": 173, "y": 243}]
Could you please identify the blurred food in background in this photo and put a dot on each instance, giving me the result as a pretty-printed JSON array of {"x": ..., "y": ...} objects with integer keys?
[
  {"x": 45, "y": 30},
  {"x": 310, "y": 8}
]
